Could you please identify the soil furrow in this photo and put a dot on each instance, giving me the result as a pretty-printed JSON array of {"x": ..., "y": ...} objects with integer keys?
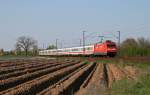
[
  {"x": 10, "y": 82},
  {"x": 37, "y": 85},
  {"x": 72, "y": 84}
]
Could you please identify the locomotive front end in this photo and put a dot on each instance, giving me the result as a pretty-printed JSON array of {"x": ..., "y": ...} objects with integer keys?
[{"x": 111, "y": 48}]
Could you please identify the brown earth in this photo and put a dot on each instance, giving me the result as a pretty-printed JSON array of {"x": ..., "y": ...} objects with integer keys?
[{"x": 59, "y": 77}]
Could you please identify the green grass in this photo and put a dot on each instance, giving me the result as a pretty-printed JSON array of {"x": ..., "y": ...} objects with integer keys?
[
  {"x": 10, "y": 57},
  {"x": 131, "y": 87},
  {"x": 140, "y": 63},
  {"x": 139, "y": 86}
]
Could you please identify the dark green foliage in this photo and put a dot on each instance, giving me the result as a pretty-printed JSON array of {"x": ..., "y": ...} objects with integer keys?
[
  {"x": 132, "y": 47},
  {"x": 51, "y": 47}
]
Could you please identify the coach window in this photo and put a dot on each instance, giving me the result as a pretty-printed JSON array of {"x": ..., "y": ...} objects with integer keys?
[
  {"x": 66, "y": 50},
  {"x": 81, "y": 49},
  {"x": 88, "y": 48},
  {"x": 59, "y": 50},
  {"x": 74, "y": 49}
]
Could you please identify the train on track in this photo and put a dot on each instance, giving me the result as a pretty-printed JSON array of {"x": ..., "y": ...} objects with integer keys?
[{"x": 107, "y": 48}]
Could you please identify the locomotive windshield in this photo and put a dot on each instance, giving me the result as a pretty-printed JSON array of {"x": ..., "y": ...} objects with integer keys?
[{"x": 111, "y": 45}]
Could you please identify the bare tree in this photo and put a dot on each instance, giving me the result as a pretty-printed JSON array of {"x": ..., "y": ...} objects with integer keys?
[
  {"x": 18, "y": 49},
  {"x": 1, "y": 52},
  {"x": 129, "y": 42},
  {"x": 144, "y": 43},
  {"x": 25, "y": 43},
  {"x": 35, "y": 50}
]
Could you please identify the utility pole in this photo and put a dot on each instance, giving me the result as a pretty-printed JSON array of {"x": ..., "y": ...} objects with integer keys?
[
  {"x": 61, "y": 45},
  {"x": 83, "y": 42},
  {"x": 43, "y": 46},
  {"x": 80, "y": 42},
  {"x": 56, "y": 44},
  {"x": 118, "y": 42},
  {"x": 56, "y": 50}
]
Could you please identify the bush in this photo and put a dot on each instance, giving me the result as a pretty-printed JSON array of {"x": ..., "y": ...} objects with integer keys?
[{"x": 132, "y": 47}]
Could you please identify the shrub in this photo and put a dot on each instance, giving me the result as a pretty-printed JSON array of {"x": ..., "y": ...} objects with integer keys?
[{"x": 132, "y": 47}]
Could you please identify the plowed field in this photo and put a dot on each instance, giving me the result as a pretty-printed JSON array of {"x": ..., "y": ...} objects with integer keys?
[{"x": 57, "y": 77}]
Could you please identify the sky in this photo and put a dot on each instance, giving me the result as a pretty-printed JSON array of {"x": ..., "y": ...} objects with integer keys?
[{"x": 48, "y": 20}]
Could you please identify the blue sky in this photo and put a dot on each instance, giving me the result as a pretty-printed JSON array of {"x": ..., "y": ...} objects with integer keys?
[{"x": 46, "y": 20}]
